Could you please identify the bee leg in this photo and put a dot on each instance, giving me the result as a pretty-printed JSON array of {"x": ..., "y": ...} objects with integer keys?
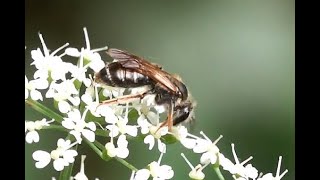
[
  {"x": 124, "y": 99},
  {"x": 169, "y": 120}
]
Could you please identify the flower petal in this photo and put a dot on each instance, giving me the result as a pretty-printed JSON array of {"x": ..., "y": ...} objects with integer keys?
[
  {"x": 114, "y": 130},
  {"x": 166, "y": 172},
  {"x": 96, "y": 65},
  {"x": 74, "y": 100},
  {"x": 77, "y": 135},
  {"x": 64, "y": 107},
  {"x": 132, "y": 130},
  {"x": 41, "y": 74},
  {"x": 202, "y": 146},
  {"x": 122, "y": 141},
  {"x": 122, "y": 152},
  {"x": 188, "y": 143},
  {"x": 91, "y": 126},
  {"x": 58, "y": 164},
  {"x": 63, "y": 143},
  {"x": 40, "y": 83},
  {"x": 32, "y": 136},
  {"x": 226, "y": 164},
  {"x": 142, "y": 174},
  {"x": 208, "y": 157},
  {"x": 110, "y": 117},
  {"x": 35, "y": 95},
  {"x": 69, "y": 155},
  {"x": 42, "y": 157},
  {"x": 149, "y": 140},
  {"x": 251, "y": 171},
  {"x": 161, "y": 146},
  {"x": 144, "y": 124},
  {"x": 75, "y": 115},
  {"x": 86, "y": 98},
  {"x": 111, "y": 150},
  {"x": 88, "y": 134},
  {"x": 72, "y": 52},
  {"x": 68, "y": 123}
]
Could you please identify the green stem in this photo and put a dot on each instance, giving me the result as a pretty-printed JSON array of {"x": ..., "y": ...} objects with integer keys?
[
  {"x": 101, "y": 132},
  {"x": 55, "y": 127},
  {"x": 95, "y": 148},
  {"x": 99, "y": 145},
  {"x": 217, "y": 170},
  {"x": 128, "y": 165},
  {"x": 44, "y": 110}
]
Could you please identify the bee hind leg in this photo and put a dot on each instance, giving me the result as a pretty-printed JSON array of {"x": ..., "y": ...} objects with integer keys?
[{"x": 123, "y": 99}]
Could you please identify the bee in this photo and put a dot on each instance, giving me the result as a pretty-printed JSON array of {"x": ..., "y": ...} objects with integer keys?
[{"x": 130, "y": 71}]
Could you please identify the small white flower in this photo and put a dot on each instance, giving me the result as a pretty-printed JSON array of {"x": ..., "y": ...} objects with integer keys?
[
  {"x": 278, "y": 176},
  {"x": 96, "y": 63},
  {"x": 119, "y": 125},
  {"x": 64, "y": 93},
  {"x": 208, "y": 148},
  {"x": 91, "y": 104},
  {"x": 155, "y": 134},
  {"x": 142, "y": 174},
  {"x": 112, "y": 92},
  {"x": 108, "y": 113},
  {"x": 160, "y": 172},
  {"x": 78, "y": 126},
  {"x": 155, "y": 170},
  {"x": 62, "y": 156},
  {"x": 32, "y": 127},
  {"x": 121, "y": 151},
  {"x": 144, "y": 109},
  {"x": 122, "y": 127},
  {"x": 32, "y": 86},
  {"x": 81, "y": 175},
  {"x": 226, "y": 163},
  {"x": 78, "y": 72},
  {"x": 49, "y": 64},
  {"x": 196, "y": 172},
  {"x": 181, "y": 133},
  {"x": 238, "y": 169}
]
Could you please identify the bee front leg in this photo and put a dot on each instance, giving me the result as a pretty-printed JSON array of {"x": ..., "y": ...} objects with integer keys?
[{"x": 169, "y": 120}]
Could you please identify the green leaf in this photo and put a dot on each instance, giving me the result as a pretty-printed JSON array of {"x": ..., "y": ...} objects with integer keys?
[
  {"x": 44, "y": 110},
  {"x": 100, "y": 132},
  {"x": 169, "y": 139},
  {"x": 133, "y": 115}
]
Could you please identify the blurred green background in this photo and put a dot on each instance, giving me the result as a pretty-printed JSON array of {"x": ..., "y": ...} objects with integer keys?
[{"x": 236, "y": 57}]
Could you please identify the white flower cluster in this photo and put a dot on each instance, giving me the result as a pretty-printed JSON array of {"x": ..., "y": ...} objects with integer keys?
[{"x": 77, "y": 98}]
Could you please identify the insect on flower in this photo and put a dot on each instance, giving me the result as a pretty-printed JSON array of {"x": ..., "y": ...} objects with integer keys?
[{"x": 130, "y": 71}]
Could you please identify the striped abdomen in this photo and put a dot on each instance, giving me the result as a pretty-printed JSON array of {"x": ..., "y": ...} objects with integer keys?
[{"x": 117, "y": 76}]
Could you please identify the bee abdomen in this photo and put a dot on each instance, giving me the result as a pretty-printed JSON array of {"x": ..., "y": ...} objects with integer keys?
[{"x": 117, "y": 76}]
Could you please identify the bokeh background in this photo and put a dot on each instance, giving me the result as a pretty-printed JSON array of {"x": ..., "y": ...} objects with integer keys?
[{"x": 236, "y": 57}]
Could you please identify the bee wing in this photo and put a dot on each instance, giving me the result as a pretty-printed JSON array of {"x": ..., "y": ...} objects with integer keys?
[{"x": 144, "y": 67}]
